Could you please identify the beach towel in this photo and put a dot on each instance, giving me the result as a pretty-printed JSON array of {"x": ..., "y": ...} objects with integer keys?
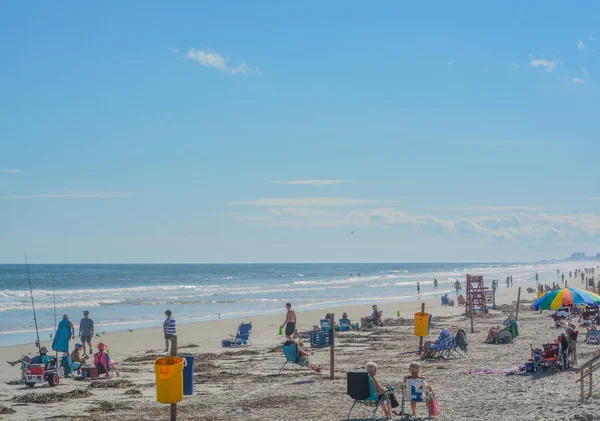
[
  {"x": 498, "y": 370},
  {"x": 445, "y": 340},
  {"x": 62, "y": 336}
]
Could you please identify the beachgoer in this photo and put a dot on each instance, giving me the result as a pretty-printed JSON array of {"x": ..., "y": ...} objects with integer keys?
[
  {"x": 86, "y": 330},
  {"x": 457, "y": 286},
  {"x": 582, "y": 276},
  {"x": 537, "y": 277},
  {"x": 290, "y": 321},
  {"x": 511, "y": 281},
  {"x": 302, "y": 354},
  {"x": 419, "y": 290},
  {"x": 435, "y": 284},
  {"x": 169, "y": 328},
  {"x": 570, "y": 274},
  {"x": 562, "y": 278},
  {"x": 77, "y": 360},
  {"x": 381, "y": 390},
  {"x": 413, "y": 369},
  {"x": 376, "y": 317},
  {"x": 507, "y": 281},
  {"x": 346, "y": 318},
  {"x": 102, "y": 360},
  {"x": 494, "y": 285}
]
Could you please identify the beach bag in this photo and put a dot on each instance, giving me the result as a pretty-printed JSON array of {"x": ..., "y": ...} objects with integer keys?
[{"x": 434, "y": 406}]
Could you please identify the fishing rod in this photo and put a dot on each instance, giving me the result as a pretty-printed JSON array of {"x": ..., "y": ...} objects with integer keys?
[
  {"x": 33, "y": 305},
  {"x": 54, "y": 294}
]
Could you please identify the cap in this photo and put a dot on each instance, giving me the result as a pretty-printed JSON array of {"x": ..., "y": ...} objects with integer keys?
[
  {"x": 86, "y": 312},
  {"x": 77, "y": 346},
  {"x": 102, "y": 346}
]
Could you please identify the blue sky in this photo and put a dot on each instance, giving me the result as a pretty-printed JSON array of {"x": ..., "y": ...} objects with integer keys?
[{"x": 269, "y": 132}]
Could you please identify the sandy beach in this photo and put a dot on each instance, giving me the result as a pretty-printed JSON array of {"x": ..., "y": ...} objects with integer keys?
[{"x": 230, "y": 384}]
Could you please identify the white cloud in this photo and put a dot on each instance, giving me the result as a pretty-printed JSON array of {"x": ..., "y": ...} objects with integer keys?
[
  {"x": 245, "y": 70},
  {"x": 306, "y": 202},
  {"x": 580, "y": 45},
  {"x": 577, "y": 80},
  {"x": 549, "y": 65},
  {"x": 12, "y": 171},
  {"x": 515, "y": 65},
  {"x": 209, "y": 58},
  {"x": 309, "y": 182},
  {"x": 68, "y": 195},
  {"x": 495, "y": 208}
]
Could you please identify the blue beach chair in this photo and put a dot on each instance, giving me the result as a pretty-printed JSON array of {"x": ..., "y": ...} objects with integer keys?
[
  {"x": 361, "y": 388},
  {"x": 292, "y": 356},
  {"x": 345, "y": 325},
  {"x": 242, "y": 337},
  {"x": 325, "y": 324}
]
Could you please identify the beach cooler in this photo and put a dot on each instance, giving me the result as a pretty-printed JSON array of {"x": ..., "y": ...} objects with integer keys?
[
  {"x": 169, "y": 379},
  {"x": 226, "y": 343},
  {"x": 89, "y": 371},
  {"x": 36, "y": 369}
]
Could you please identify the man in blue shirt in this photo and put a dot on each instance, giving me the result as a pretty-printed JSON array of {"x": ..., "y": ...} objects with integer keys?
[
  {"x": 86, "y": 330},
  {"x": 169, "y": 329}
]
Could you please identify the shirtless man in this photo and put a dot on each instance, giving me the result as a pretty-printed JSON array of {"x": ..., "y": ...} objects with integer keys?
[{"x": 290, "y": 321}]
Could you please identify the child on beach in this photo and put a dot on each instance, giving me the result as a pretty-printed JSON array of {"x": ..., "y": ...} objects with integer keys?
[{"x": 413, "y": 369}]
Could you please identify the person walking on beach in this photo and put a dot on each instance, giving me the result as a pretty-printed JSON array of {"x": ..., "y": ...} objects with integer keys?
[
  {"x": 435, "y": 284},
  {"x": 507, "y": 281},
  {"x": 419, "y": 290},
  {"x": 537, "y": 278},
  {"x": 169, "y": 329},
  {"x": 494, "y": 285},
  {"x": 86, "y": 331},
  {"x": 290, "y": 321},
  {"x": 457, "y": 286},
  {"x": 511, "y": 282}
]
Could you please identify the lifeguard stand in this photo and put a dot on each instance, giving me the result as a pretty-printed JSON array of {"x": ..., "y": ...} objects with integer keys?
[{"x": 475, "y": 294}]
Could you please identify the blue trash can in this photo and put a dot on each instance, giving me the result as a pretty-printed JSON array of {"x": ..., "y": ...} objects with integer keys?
[{"x": 188, "y": 376}]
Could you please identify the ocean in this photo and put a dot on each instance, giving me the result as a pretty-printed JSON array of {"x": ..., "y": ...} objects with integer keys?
[{"x": 135, "y": 296}]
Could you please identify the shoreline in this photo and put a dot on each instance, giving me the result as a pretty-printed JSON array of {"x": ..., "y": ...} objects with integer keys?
[{"x": 208, "y": 334}]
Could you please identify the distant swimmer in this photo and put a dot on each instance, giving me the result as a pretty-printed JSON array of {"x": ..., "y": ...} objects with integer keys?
[{"x": 352, "y": 232}]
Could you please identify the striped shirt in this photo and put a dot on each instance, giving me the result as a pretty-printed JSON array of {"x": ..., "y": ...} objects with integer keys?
[{"x": 169, "y": 326}]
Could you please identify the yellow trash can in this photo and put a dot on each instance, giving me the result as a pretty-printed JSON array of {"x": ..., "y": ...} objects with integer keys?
[
  {"x": 169, "y": 379},
  {"x": 422, "y": 323}
]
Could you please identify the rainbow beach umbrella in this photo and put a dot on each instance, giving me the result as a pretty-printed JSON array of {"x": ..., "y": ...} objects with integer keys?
[{"x": 566, "y": 297}]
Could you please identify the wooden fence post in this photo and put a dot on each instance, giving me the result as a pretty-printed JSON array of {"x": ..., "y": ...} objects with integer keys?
[
  {"x": 518, "y": 301},
  {"x": 174, "y": 354},
  {"x": 420, "y": 337},
  {"x": 332, "y": 347}
]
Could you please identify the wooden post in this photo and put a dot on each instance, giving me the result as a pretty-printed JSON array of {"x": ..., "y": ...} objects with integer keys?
[
  {"x": 332, "y": 348},
  {"x": 581, "y": 379},
  {"x": 590, "y": 392},
  {"x": 471, "y": 311},
  {"x": 518, "y": 301},
  {"x": 174, "y": 354},
  {"x": 420, "y": 337}
]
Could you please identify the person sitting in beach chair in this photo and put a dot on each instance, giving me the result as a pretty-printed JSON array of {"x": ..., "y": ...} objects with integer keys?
[
  {"x": 447, "y": 301},
  {"x": 103, "y": 362},
  {"x": 441, "y": 348},
  {"x": 460, "y": 341},
  {"x": 461, "y": 300},
  {"x": 366, "y": 390},
  {"x": 345, "y": 323},
  {"x": 414, "y": 390},
  {"x": 374, "y": 320},
  {"x": 295, "y": 355}
]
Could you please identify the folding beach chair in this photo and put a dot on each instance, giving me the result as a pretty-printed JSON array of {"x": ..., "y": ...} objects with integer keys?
[
  {"x": 325, "y": 324},
  {"x": 461, "y": 300},
  {"x": 345, "y": 325},
  {"x": 548, "y": 358},
  {"x": 444, "y": 300},
  {"x": 594, "y": 337},
  {"x": 415, "y": 390},
  {"x": 242, "y": 337},
  {"x": 442, "y": 348},
  {"x": 292, "y": 356},
  {"x": 503, "y": 337},
  {"x": 361, "y": 388},
  {"x": 460, "y": 342}
]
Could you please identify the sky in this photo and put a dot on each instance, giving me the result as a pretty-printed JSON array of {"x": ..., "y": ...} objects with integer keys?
[{"x": 298, "y": 131}]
